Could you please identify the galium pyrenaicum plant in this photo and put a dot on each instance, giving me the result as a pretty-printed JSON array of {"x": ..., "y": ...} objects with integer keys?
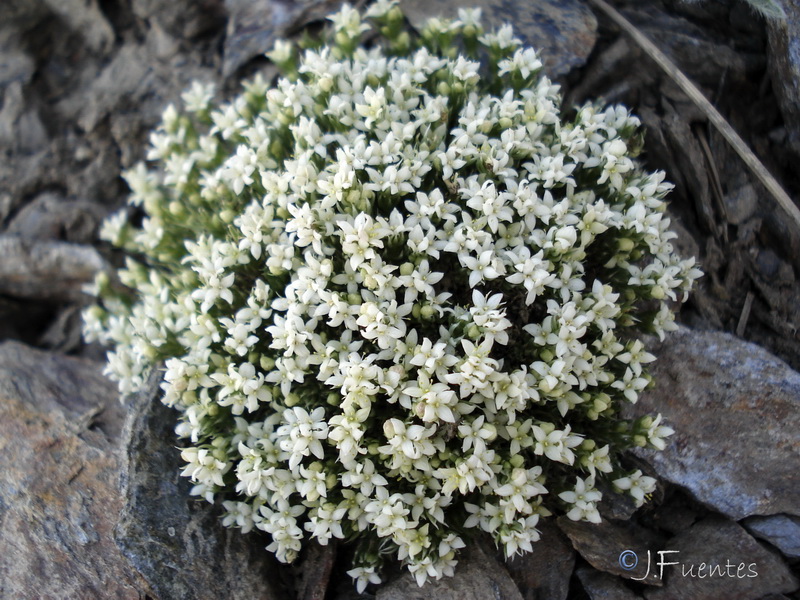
[{"x": 395, "y": 295}]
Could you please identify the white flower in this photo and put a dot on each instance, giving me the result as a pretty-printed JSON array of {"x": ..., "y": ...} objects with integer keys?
[
  {"x": 385, "y": 294},
  {"x": 584, "y": 499},
  {"x": 302, "y": 434},
  {"x": 364, "y": 576},
  {"x": 525, "y": 61},
  {"x": 637, "y": 485}
]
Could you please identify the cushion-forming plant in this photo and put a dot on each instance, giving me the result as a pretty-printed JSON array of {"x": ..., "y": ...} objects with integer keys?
[{"x": 396, "y": 295}]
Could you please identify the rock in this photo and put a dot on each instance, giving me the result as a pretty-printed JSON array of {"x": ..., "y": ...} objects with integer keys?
[
  {"x": 176, "y": 541},
  {"x": 683, "y": 41},
  {"x": 773, "y": 269},
  {"x": 718, "y": 559},
  {"x": 21, "y": 15},
  {"x": 315, "y": 571},
  {"x": 85, "y": 17},
  {"x": 544, "y": 574},
  {"x": 255, "y": 25},
  {"x": 15, "y": 63},
  {"x": 21, "y": 129},
  {"x": 784, "y": 68},
  {"x": 182, "y": 18},
  {"x": 564, "y": 31},
  {"x": 52, "y": 217},
  {"x": 615, "y": 505},
  {"x": 616, "y": 547},
  {"x": 602, "y": 586},
  {"x": 478, "y": 576},
  {"x": 675, "y": 514},
  {"x": 782, "y": 531},
  {"x": 735, "y": 409},
  {"x": 741, "y": 204},
  {"x": 65, "y": 333},
  {"x": 126, "y": 75},
  {"x": 59, "y": 496},
  {"x": 46, "y": 270}
]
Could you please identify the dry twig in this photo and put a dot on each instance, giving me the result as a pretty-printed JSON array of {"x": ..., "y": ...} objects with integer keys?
[
  {"x": 745, "y": 315},
  {"x": 713, "y": 115}
]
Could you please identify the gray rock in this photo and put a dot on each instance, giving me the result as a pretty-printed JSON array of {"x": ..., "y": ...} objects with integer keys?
[
  {"x": 718, "y": 559},
  {"x": 21, "y": 14},
  {"x": 59, "y": 496},
  {"x": 617, "y": 547},
  {"x": 544, "y": 574},
  {"x": 683, "y": 41},
  {"x": 478, "y": 576},
  {"x": 782, "y": 531},
  {"x": 46, "y": 270},
  {"x": 564, "y": 31},
  {"x": 615, "y": 505},
  {"x": 182, "y": 18},
  {"x": 21, "y": 129},
  {"x": 85, "y": 16},
  {"x": 674, "y": 516},
  {"x": 784, "y": 67},
  {"x": 15, "y": 63},
  {"x": 176, "y": 541},
  {"x": 602, "y": 586},
  {"x": 52, "y": 217},
  {"x": 255, "y": 25},
  {"x": 65, "y": 333},
  {"x": 126, "y": 75},
  {"x": 315, "y": 571},
  {"x": 736, "y": 412},
  {"x": 741, "y": 204}
]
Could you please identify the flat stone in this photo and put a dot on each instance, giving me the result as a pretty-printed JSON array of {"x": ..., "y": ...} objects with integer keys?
[
  {"x": 59, "y": 495},
  {"x": 545, "y": 572},
  {"x": 602, "y": 586},
  {"x": 718, "y": 559},
  {"x": 615, "y": 505},
  {"x": 46, "y": 270},
  {"x": 21, "y": 129},
  {"x": 315, "y": 571},
  {"x": 255, "y": 25},
  {"x": 177, "y": 541},
  {"x": 782, "y": 531},
  {"x": 675, "y": 515},
  {"x": 616, "y": 547},
  {"x": 15, "y": 63},
  {"x": 182, "y": 18},
  {"x": 563, "y": 31},
  {"x": 65, "y": 333},
  {"x": 21, "y": 14},
  {"x": 53, "y": 217},
  {"x": 684, "y": 40},
  {"x": 478, "y": 576},
  {"x": 741, "y": 204},
  {"x": 85, "y": 17},
  {"x": 735, "y": 409},
  {"x": 126, "y": 75}
]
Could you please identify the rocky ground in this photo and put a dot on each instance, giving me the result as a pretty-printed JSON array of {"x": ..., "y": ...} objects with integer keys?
[{"x": 91, "y": 504}]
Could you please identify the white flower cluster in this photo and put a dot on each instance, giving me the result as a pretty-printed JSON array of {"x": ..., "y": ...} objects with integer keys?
[{"x": 394, "y": 294}]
